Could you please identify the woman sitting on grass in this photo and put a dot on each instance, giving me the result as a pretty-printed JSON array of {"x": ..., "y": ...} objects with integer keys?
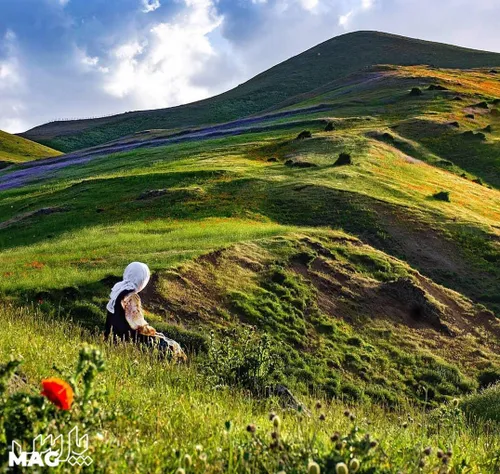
[{"x": 125, "y": 316}]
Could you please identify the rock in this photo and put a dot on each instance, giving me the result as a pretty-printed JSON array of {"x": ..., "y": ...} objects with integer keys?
[
  {"x": 416, "y": 91},
  {"x": 304, "y": 134},
  {"x": 493, "y": 71},
  {"x": 454, "y": 124},
  {"x": 329, "y": 127},
  {"x": 272, "y": 160},
  {"x": 470, "y": 116},
  {"x": 343, "y": 159}
]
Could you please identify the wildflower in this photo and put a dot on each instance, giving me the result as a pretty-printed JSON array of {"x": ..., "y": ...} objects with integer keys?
[
  {"x": 339, "y": 446},
  {"x": 188, "y": 461},
  {"x": 203, "y": 457},
  {"x": 352, "y": 417},
  {"x": 276, "y": 422},
  {"x": 354, "y": 465},
  {"x": 347, "y": 413},
  {"x": 341, "y": 468},
  {"x": 428, "y": 451},
  {"x": 58, "y": 392},
  {"x": 251, "y": 428},
  {"x": 405, "y": 425},
  {"x": 421, "y": 463},
  {"x": 445, "y": 460},
  {"x": 373, "y": 444},
  {"x": 313, "y": 468},
  {"x": 99, "y": 437},
  {"x": 449, "y": 453},
  {"x": 318, "y": 405},
  {"x": 198, "y": 448},
  {"x": 439, "y": 453},
  {"x": 180, "y": 471},
  {"x": 322, "y": 417}
]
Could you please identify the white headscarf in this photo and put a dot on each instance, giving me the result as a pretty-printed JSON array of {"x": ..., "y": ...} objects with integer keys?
[{"x": 135, "y": 278}]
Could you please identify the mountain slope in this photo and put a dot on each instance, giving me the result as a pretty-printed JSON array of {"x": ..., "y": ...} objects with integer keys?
[
  {"x": 318, "y": 66},
  {"x": 14, "y": 149}
]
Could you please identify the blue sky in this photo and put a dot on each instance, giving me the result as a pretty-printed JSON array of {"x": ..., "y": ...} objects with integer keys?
[{"x": 83, "y": 58}]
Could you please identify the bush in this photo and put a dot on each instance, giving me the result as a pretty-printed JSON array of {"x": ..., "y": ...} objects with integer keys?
[
  {"x": 488, "y": 377},
  {"x": 442, "y": 196},
  {"x": 304, "y": 134},
  {"x": 484, "y": 405},
  {"x": 343, "y": 159},
  {"x": 246, "y": 360}
]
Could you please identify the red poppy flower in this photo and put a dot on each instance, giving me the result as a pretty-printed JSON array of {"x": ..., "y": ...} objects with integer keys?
[{"x": 58, "y": 392}]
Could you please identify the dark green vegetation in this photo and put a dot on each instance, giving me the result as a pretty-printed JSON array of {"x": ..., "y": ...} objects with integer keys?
[
  {"x": 361, "y": 261},
  {"x": 14, "y": 149},
  {"x": 316, "y": 68}
]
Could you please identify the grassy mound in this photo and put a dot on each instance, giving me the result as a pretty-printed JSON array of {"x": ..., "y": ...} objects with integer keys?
[{"x": 14, "y": 149}]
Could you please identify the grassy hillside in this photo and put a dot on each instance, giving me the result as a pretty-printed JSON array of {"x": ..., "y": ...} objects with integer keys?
[
  {"x": 146, "y": 415},
  {"x": 320, "y": 65},
  {"x": 372, "y": 284},
  {"x": 14, "y": 149}
]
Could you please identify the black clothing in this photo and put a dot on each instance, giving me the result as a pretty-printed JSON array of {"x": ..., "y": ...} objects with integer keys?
[{"x": 117, "y": 324}]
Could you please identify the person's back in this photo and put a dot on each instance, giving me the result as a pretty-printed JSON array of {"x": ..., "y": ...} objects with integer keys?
[{"x": 125, "y": 317}]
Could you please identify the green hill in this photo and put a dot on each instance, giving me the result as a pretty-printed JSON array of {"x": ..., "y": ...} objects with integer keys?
[
  {"x": 345, "y": 243},
  {"x": 320, "y": 65},
  {"x": 14, "y": 149}
]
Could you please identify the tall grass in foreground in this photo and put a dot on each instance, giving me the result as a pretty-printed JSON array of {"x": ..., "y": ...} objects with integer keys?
[{"x": 163, "y": 417}]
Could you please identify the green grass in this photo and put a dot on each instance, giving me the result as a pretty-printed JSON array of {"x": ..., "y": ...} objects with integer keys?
[
  {"x": 369, "y": 290},
  {"x": 164, "y": 409},
  {"x": 14, "y": 149}
]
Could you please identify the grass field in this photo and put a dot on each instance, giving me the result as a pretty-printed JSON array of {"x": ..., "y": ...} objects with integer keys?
[{"x": 372, "y": 285}]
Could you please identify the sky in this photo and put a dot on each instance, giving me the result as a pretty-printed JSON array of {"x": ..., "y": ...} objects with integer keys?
[{"x": 62, "y": 59}]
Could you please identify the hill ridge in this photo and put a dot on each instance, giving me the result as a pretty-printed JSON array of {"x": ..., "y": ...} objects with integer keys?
[{"x": 319, "y": 65}]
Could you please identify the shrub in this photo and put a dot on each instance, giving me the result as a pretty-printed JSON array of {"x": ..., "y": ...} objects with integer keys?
[
  {"x": 484, "y": 405},
  {"x": 488, "y": 377},
  {"x": 246, "y": 360},
  {"x": 442, "y": 196},
  {"x": 304, "y": 134},
  {"x": 343, "y": 159}
]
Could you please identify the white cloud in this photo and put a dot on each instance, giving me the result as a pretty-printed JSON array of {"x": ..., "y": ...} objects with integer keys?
[
  {"x": 150, "y": 5},
  {"x": 346, "y": 18},
  {"x": 12, "y": 85},
  {"x": 309, "y": 4},
  {"x": 160, "y": 69}
]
